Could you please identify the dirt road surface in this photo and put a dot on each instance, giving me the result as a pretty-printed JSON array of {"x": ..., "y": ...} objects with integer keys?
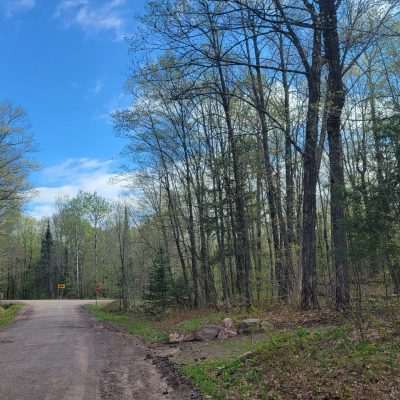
[{"x": 56, "y": 351}]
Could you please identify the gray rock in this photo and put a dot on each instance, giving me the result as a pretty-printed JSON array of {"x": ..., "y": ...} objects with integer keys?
[
  {"x": 206, "y": 333},
  {"x": 249, "y": 326},
  {"x": 254, "y": 325}
]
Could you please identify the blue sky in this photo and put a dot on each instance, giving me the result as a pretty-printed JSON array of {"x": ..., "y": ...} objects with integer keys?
[{"x": 65, "y": 62}]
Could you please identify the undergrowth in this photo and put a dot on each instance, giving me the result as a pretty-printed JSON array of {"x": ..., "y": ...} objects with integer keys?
[{"x": 7, "y": 314}]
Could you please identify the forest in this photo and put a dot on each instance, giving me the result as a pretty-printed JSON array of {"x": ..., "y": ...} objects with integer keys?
[{"x": 263, "y": 156}]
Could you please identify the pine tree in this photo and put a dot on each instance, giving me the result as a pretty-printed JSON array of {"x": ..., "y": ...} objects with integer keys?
[
  {"x": 46, "y": 278},
  {"x": 158, "y": 293}
]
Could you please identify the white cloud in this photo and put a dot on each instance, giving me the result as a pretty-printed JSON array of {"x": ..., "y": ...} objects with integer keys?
[
  {"x": 69, "y": 177},
  {"x": 93, "y": 18},
  {"x": 13, "y": 7}
]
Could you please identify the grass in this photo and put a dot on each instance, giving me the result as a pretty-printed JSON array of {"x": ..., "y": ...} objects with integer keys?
[
  {"x": 319, "y": 364},
  {"x": 8, "y": 313},
  {"x": 157, "y": 329},
  {"x": 133, "y": 324},
  {"x": 305, "y": 355}
]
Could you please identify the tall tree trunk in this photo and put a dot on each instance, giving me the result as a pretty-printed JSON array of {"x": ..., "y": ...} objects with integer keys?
[
  {"x": 123, "y": 258},
  {"x": 333, "y": 127},
  {"x": 259, "y": 99},
  {"x": 308, "y": 257},
  {"x": 258, "y": 245},
  {"x": 243, "y": 256},
  {"x": 218, "y": 201},
  {"x": 174, "y": 222},
  {"x": 290, "y": 230},
  {"x": 192, "y": 234},
  {"x": 208, "y": 280}
]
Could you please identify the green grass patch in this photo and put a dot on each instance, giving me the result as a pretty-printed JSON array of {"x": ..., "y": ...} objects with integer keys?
[
  {"x": 189, "y": 321},
  {"x": 190, "y": 325},
  {"x": 134, "y": 324},
  {"x": 304, "y": 364},
  {"x": 157, "y": 328},
  {"x": 8, "y": 313}
]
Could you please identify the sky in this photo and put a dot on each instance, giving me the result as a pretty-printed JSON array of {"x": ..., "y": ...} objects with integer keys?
[{"x": 65, "y": 62}]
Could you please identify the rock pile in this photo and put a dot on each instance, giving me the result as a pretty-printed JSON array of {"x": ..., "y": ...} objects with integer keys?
[{"x": 225, "y": 331}]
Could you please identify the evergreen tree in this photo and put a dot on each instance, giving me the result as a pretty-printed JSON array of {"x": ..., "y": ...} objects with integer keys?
[
  {"x": 159, "y": 289},
  {"x": 46, "y": 272}
]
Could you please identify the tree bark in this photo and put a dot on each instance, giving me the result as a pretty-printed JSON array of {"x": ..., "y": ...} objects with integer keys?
[
  {"x": 336, "y": 99},
  {"x": 308, "y": 258}
]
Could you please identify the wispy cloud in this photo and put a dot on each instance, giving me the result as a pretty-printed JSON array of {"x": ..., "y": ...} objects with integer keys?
[
  {"x": 69, "y": 177},
  {"x": 122, "y": 101},
  {"x": 97, "y": 88},
  {"x": 12, "y": 7},
  {"x": 94, "y": 17}
]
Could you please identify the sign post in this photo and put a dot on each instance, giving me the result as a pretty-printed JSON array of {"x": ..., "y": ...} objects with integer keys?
[
  {"x": 60, "y": 287},
  {"x": 98, "y": 291}
]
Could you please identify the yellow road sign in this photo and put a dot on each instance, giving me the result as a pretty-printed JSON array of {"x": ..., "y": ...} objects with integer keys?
[{"x": 61, "y": 286}]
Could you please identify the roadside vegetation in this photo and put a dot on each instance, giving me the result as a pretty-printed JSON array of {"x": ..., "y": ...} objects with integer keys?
[
  {"x": 156, "y": 328},
  {"x": 8, "y": 313},
  {"x": 318, "y": 354},
  {"x": 134, "y": 324},
  {"x": 318, "y": 363},
  {"x": 263, "y": 154}
]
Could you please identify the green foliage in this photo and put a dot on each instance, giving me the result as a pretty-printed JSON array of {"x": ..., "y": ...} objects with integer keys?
[
  {"x": 158, "y": 294},
  {"x": 316, "y": 362},
  {"x": 157, "y": 328},
  {"x": 191, "y": 325},
  {"x": 7, "y": 314},
  {"x": 45, "y": 274},
  {"x": 180, "y": 291},
  {"x": 95, "y": 207},
  {"x": 374, "y": 212},
  {"x": 132, "y": 323}
]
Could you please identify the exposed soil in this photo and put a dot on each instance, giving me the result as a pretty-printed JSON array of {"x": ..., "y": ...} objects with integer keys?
[
  {"x": 281, "y": 319},
  {"x": 56, "y": 350}
]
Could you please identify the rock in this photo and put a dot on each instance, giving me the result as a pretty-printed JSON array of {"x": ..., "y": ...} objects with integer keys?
[
  {"x": 227, "y": 323},
  {"x": 227, "y": 330},
  {"x": 254, "y": 325},
  {"x": 226, "y": 334},
  {"x": 206, "y": 333},
  {"x": 175, "y": 338},
  {"x": 189, "y": 337},
  {"x": 250, "y": 326}
]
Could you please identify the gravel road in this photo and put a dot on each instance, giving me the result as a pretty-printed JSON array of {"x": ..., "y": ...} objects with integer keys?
[{"x": 56, "y": 351}]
